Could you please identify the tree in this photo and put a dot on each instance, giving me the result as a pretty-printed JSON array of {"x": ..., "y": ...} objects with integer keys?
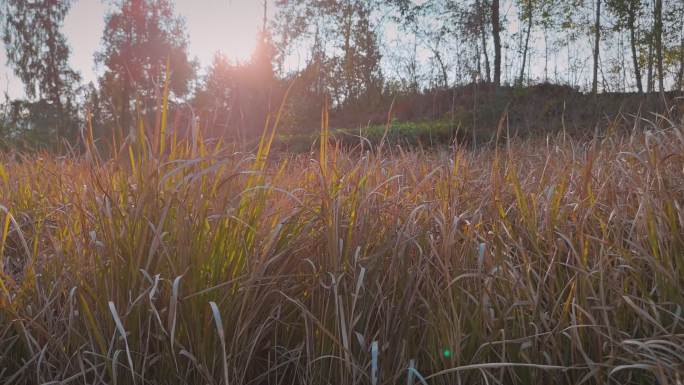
[
  {"x": 633, "y": 11},
  {"x": 339, "y": 33},
  {"x": 535, "y": 13},
  {"x": 436, "y": 21},
  {"x": 482, "y": 13},
  {"x": 474, "y": 29},
  {"x": 264, "y": 51},
  {"x": 368, "y": 74},
  {"x": 527, "y": 7},
  {"x": 626, "y": 13},
  {"x": 658, "y": 36},
  {"x": 678, "y": 14},
  {"x": 680, "y": 77},
  {"x": 431, "y": 32},
  {"x": 39, "y": 55},
  {"x": 140, "y": 37},
  {"x": 597, "y": 41},
  {"x": 235, "y": 98},
  {"x": 37, "y": 123},
  {"x": 216, "y": 98},
  {"x": 496, "y": 34}
]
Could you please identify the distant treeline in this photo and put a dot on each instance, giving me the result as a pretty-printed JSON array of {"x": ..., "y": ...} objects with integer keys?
[
  {"x": 475, "y": 114},
  {"x": 464, "y": 61}
]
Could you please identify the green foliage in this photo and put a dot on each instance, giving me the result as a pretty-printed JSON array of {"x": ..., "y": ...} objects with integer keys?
[
  {"x": 36, "y": 48},
  {"x": 31, "y": 125},
  {"x": 39, "y": 55}
]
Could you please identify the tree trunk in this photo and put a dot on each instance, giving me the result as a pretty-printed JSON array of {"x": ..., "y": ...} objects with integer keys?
[
  {"x": 483, "y": 36},
  {"x": 527, "y": 42},
  {"x": 478, "y": 62},
  {"x": 649, "y": 70},
  {"x": 53, "y": 84},
  {"x": 597, "y": 38},
  {"x": 442, "y": 67},
  {"x": 680, "y": 80},
  {"x": 496, "y": 34},
  {"x": 658, "y": 26},
  {"x": 546, "y": 55},
  {"x": 632, "y": 41},
  {"x": 488, "y": 71},
  {"x": 348, "y": 55}
]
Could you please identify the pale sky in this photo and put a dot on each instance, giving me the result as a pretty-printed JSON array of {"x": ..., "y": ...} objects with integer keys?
[{"x": 212, "y": 25}]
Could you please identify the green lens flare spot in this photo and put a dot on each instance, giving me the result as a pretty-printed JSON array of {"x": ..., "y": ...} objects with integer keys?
[{"x": 446, "y": 353}]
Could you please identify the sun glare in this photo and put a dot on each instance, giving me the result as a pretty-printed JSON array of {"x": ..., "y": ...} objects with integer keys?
[{"x": 229, "y": 26}]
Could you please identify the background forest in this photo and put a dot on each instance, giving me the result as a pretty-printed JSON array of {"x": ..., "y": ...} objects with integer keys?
[{"x": 461, "y": 62}]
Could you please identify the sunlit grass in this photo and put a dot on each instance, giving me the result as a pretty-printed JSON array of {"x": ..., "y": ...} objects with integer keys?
[{"x": 180, "y": 261}]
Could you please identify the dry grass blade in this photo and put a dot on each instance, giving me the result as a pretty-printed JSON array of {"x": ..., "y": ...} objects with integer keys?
[
  {"x": 122, "y": 333},
  {"x": 222, "y": 339}
]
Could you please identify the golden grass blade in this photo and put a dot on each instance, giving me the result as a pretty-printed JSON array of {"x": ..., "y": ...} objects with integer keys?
[
  {"x": 3, "y": 238},
  {"x": 4, "y": 176}
]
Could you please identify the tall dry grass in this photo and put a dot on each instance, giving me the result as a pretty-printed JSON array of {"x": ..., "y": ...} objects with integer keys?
[{"x": 183, "y": 262}]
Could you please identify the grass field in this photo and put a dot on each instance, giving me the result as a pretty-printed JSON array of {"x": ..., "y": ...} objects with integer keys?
[{"x": 544, "y": 261}]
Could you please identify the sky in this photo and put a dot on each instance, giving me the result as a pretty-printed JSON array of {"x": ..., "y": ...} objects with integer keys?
[{"x": 212, "y": 25}]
